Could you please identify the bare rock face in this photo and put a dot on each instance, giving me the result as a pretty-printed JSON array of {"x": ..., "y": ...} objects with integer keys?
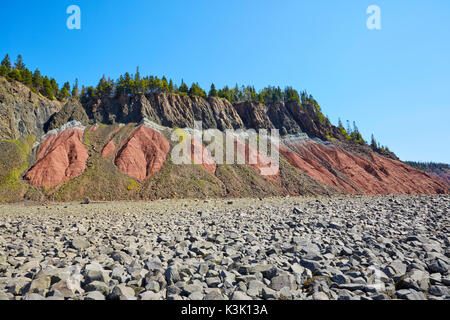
[
  {"x": 61, "y": 157},
  {"x": 254, "y": 115},
  {"x": 22, "y": 112},
  {"x": 282, "y": 118},
  {"x": 166, "y": 109},
  {"x": 143, "y": 153},
  {"x": 307, "y": 117},
  {"x": 354, "y": 174},
  {"x": 71, "y": 111}
]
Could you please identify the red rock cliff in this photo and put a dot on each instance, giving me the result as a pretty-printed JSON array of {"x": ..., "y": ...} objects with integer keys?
[{"x": 354, "y": 174}]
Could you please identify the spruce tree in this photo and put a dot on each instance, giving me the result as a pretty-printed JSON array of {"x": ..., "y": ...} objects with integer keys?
[
  {"x": 195, "y": 90},
  {"x": 75, "y": 89},
  {"x": 183, "y": 87},
  {"x": 37, "y": 80},
  {"x": 19, "y": 65},
  {"x": 213, "y": 91},
  {"x": 164, "y": 84},
  {"x": 6, "y": 63},
  {"x": 65, "y": 91},
  {"x": 47, "y": 90},
  {"x": 373, "y": 142},
  {"x": 27, "y": 79}
]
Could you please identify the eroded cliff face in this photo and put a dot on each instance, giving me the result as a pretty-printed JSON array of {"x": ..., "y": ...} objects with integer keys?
[
  {"x": 180, "y": 111},
  {"x": 132, "y": 162},
  {"x": 22, "y": 112},
  {"x": 169, "y": 110},
  {"x": 118, "y": 159},
  {"x": 354, "y": 174}
]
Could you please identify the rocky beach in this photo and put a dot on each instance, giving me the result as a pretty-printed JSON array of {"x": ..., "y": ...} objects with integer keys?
[{"x": 324, "y": 248}]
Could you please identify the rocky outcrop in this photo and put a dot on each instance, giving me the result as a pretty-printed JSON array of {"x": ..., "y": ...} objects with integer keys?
[
  {"x": 311, "y": 120},
  {"x": 143, "y": 153},
  {"x": 71, "y": 111},
  {"x": 282, "y": 119},
  {"x": 165, "y": 109},
  {"x": 61, "y": 157},
  {"x": 253, "y": 115},
  {"x": 355, "y": 174},
  {"x": 23, "y": 112}
]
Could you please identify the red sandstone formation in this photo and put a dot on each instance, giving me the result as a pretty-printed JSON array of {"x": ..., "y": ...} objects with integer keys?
[
  {"x": 199, "y": 154},
  {"x": 143, "y": 153},
  {"x": 108, "y": 149},
  {"x": 354, "y": 174},
  {"x": 256, "y": 160},
  {"x": 61, "y": 157}
]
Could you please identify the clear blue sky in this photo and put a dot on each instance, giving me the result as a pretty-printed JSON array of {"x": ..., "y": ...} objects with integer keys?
[{"x": 394, "y": 82}]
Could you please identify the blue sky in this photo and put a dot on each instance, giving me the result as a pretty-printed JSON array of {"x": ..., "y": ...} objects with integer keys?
[{"x": 393, "y": 82}]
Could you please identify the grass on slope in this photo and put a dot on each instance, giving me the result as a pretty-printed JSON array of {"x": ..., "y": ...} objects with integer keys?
[
  {"x": 182, "y": 181},
  {"x": 14, "y": 161}
]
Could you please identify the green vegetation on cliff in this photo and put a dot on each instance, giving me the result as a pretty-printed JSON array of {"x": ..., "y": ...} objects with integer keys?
[{"x": 13, "y": 162}]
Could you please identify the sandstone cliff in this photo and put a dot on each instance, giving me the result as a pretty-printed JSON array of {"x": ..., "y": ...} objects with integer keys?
[{"x": 115, "y": 158}]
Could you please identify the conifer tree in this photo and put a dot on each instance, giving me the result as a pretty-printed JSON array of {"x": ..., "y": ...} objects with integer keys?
[
  {"x": 47, "y": 90},
  {"x": 65, "y": 91},
  {"x": 213, "y": 91},
  {"x": 164, "y": 84},
  {"x": 183, "y": 87},
  {"x": 27, "y": 79},
  {"x": 373, "y": 142},
  {"x": 19, "y": 65},
  {"x": 37, "y": 80},
  {"x": 75, "y": 89},
  {"x": 195, "y": 90},
  {"x": 6, "y": 63}
]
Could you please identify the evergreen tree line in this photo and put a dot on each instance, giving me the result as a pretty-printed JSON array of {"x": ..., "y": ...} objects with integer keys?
[
  {"x": 431, "y": 166},
  {"x": 129, "y": 84},
  {"x": 37, "y": 82},
  {"x": 351, "y": 133},
  {"x": 376, "y": 146}
]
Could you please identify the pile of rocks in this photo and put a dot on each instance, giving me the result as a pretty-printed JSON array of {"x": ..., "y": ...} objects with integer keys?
[{"x": 349, "y": 248}]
